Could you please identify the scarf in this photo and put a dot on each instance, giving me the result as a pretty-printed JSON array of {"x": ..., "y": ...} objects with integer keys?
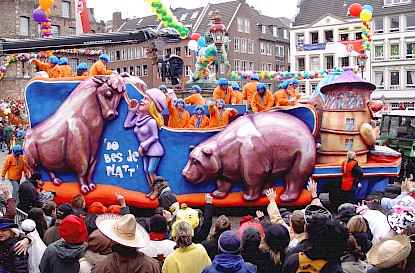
[{"x": 199, "y": 121}]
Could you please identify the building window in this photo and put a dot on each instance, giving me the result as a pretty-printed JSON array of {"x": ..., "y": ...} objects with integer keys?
[
  {"x": 178, "y": 51},
  {"x": 137, "y": 53},
  {"x": 243, "y": 45},
  {"x": 240, "y": 24},
  {"x": 345, "y": 61},
  {"x": 247, "y": 26},
  {"x": 123, "y": 54},
  {"x": 118, "y": 55},
  {"x": 250, "y": 46},
  {"x": 379, "y": 55},
  {"x": 394, "y": 53},
  {"x": 396, "y": 2},
  {"x": 410, "y": 50},
  {"x": 410, "y": 79},
  {"x": 187, "y": 70},
  {"x": 24, "y": 26},
  {"x": 279, "y": 53},
  {"x": 358, "y": 36},
  {"x": 131, "y": 70},
  {"x": 349, "y": 124},
  {"x": 183, "y": 17},
  {"x": 262, "y": 65},
  {"x": 340, "y": 100},
  {"x": 329, "y": 62},
  {"x": 269, "y": 67},
  {"x": 138, "y": 70},
  {"x": 344, "y": 36},
  {"x": 56, "y": 31},
  {"x": 187, "y": 51},
  {"x": 130, "y": 55},
  {"x": 328, "y": 35},
  {"x": 244, "y": 65},
  {"x": 269, "y": 50},
  {"x": 379, "y": 80},
  {"x": 72, "y": 31},
  {"x": 168, "y": 52},
  {"x": 394, "y": 24},
  {"x": 410, "y": 21},
  {"x": 378, "y": 22},
  {"x": 300, "y": 39},
  {"x": 301, "y": 64},
  {"x": 251, "y": 66},
  {"x": 348, "y": 144},
  {"x": 144, "y": 52},
  {"x": 315, "y": 63},
  {"x": 394, "y": 79},
  {"x": 264, "y": 29},
  {"x": 236, "y": 44},
  {"x": 279, "y": 67},
  {"x": 90, "y": 63},
  {"x": 73, "y": 62},
  {"x": 145, "y": 70},
  {"x": 236, "y": 65},
  {"x": 350, "y": 100},
  {"x": 285, "y": 34},
  {"x": 314, "y": 86},
  {"x": 112, "y": 56},
  {"x": 301, "y": 89},
  {"x": 275, "y": 31},
  {"x": 262, "y": 48},
  {"x": 194, "y": 15},
  {"x": 66, "y": 9},
  {"x": 314, "y": 37}
]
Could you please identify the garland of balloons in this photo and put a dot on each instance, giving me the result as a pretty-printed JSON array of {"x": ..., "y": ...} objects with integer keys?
[
  {"x": 365, "y": 13},
  {"x": 41, "y": 15},
  {"x": 90, "y": 52},
  {"x": 283, "y": 75},
  {"x": 205, "y": 54},
  {"x": 167, "y": 18}
]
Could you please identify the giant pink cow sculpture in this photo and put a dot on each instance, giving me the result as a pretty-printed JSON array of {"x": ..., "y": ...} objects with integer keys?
[{"x": 69, "y": 139}]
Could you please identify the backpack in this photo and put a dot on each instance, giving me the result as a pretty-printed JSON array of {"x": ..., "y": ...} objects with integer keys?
[{"x": 307, "y": 265}]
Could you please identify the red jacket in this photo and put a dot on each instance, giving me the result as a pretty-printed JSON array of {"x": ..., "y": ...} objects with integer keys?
[{"x": 348, "y": 178}]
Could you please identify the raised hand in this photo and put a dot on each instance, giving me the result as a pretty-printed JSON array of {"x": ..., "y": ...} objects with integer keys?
[{"x": 271, "y": 194}]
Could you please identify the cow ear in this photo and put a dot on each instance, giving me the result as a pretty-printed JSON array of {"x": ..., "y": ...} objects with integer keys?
[
  {"x": 191, "y": 148},
  {"x": 99, "y": 79},
  {"x": 207, "y": 151}
]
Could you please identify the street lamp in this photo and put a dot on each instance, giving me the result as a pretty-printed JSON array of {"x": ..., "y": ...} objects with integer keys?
[
  {"x": 361, "y": 60},
  {"x": 218, "y": 31}
]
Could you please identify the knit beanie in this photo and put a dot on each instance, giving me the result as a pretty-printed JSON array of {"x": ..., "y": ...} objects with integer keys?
[
  {"x": 229, "y": 242},
  {"x": 276, "y": 236},
  {"x": 97, "y": 208},
  {"x": 158, "y": 224},
  {"x": 251, "y": 238},
  {"x": 158, "y": 97},
  {"x": 73, "y": 230}
]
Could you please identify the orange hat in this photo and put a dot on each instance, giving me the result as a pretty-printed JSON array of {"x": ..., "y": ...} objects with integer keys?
[
  {"x": 97, "y": 208},
  {"x": 116, "y": 209}
]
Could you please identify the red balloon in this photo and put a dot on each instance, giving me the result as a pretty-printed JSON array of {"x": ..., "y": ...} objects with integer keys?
[
  {"x": 195, "y": 36},
  {"x": 355, "y": 9}
]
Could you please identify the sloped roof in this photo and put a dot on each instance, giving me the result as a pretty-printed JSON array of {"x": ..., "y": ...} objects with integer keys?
[
  {"x": 311, "y": 10},
  {"x": 349, "y": 78},
  {"x": 226, "y": 9},
  {"x": 260, "y": 20}
]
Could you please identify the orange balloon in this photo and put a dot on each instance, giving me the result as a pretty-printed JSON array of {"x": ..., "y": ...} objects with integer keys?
[
  {"x": 46, "y": 4},
  {"x": 49, "y": 52},
  {"x": 47, "y": 12},
  {"x": 44, "y": 30}
]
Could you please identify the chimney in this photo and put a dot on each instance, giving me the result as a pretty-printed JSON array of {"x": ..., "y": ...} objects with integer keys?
[
  {"x": 243, "y": 2},
  {"x": 117, "y": 20}
]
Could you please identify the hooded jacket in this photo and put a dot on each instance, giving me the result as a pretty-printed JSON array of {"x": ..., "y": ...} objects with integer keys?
[
  {"x": 9, "y": 260},
  {"x": 62, "y": 257},
  {"x": 28, "y": 196},
  {"x": 229, "y": 263}
]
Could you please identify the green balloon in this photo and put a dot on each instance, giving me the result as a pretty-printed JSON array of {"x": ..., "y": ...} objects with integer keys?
[
  {"x": 182, "y": 33},
  {"x": 164, "y": 19},
  {"x": 169, "y": 19},
  {"x": 159, "y": 5},
  {"x": 154, "y": 4},
  {"x": 170, "y": 24},
  {"x": 159, "y": 11},
  {"x": 163, "y": 12}
]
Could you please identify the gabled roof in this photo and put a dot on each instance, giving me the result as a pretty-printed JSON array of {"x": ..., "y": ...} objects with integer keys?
[
  {"x": 227, "y": 11},
  {"x": 260, "y": 20},
  {"x": 311, "y": 10}
]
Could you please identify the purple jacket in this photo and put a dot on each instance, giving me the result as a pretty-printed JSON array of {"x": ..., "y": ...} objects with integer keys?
[{"x": 146, "y": 131}]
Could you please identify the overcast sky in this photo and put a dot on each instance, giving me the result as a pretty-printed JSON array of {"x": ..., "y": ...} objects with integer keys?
[{"x": 140, "y": 8}]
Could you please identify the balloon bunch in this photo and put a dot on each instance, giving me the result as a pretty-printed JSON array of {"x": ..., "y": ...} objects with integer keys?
[
  {"x": 283, "y": 75},
  {"x": 365, "y": 13},
  {"x": 206, "y": 56},
  {"x": 41, "y": 15},
  {"x": 13, "y": 58},
  {"x": 90, "y": 52},
  {"x": 166, "y": 16}
]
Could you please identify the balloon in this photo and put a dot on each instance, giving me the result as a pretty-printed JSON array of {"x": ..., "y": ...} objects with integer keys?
[
  {"x": 47, "y": 12},
  {"x": 192, "y": 45},
  {"x": 201, "y": 42},
  {"x": 368, "y": 7},
  {"x": 39, "y": 15},
  {"x": 154, "y": 4},
  {"x": 366, "y": 15},
  {"x": 46, "y": 4},
  {"x": 355, "y": 9},
  {"x": 195, "y": 36}
]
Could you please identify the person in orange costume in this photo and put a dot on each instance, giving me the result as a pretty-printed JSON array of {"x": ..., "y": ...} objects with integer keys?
[
  {"x": 293, "y": 90},
  {"x": 179, "y": 118},
  {"x": 199, "y": 119},
  {"x": 219, "y": 115},
  {"x": 66, "y": 70},
  {"x": 99, "y": 67},
  {"x": 283, "y": 96},
  {"x": 224, "y": 91},
  {"x": 239, "y": 97},
  {"x": 262, "y": 99},
  {"x": 81, "y": 70},
  {"x": 51, "y": 68},
  {"x": 250, "y": 89},
  {"x": 195, "y": 98}
]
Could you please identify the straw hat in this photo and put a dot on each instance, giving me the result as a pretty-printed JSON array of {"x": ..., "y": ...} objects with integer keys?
[
  {"x": 389, "y": 252},
  {"x": 123, "y": 230}
]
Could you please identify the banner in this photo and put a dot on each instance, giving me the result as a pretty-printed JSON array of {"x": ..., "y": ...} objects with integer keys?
[
  {"x": 81, "y": 17},
  {"x": 309, "y": 47}
]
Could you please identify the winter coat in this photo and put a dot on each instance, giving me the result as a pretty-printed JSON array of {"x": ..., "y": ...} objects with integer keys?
[
  {"x": 189, "y": 259},
  {"x": 129, "y": 260},
  {"x": 378, "y": 224},
  {"x": 291, "y": 265},
  {"x": 62, "y": 257},
  {"x": 167, "y": 199},
  {"x": 195, "y": 99},
  {"x": 99, "y": 246},
  {"x": 263, "y": 103},
  {"x": 10, "y": 208},
  {"x": 66, "y": 70},
  {"x": 218, "y": 118},
  {"x": 229, "y": 263},
  {"x": 14, "y": 168},
  {"x": 363, "y": 241},
  {"x": 211, "y": 245},
  {"x": 202, "y": 230},
  {"x": 9, "y": 261},
  {"x": 345, "y": 216},
  {"x": 263, "y": 260},
  {"x": 78, "y": 212},
  {"x": 403, "y": 199},
  {"x": 178, "y": 118},
  {"x": 350, "y": 264},
  {"x": 52, "y": 234},
  {"x": 228, "y": 98},
  {"x": 28, "y": 196},
  {"x": 1, "y": 134},
  {"x": 8, "y": 132},
  {"x": 98, "y": 68}
]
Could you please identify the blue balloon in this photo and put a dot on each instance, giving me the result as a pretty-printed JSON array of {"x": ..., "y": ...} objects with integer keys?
[
  {"x": 368, "y": 7},
  {"x": 201, "y": 42}
]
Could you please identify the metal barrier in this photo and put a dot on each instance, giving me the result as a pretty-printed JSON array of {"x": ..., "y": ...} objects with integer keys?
[{"x": 20, "y": 216}]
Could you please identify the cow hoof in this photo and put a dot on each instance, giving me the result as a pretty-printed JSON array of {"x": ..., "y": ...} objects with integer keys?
[
  {"x": 219, "y": 194},
  {"x": 92, "y": 186},
  {"x": 85, "y": 189},
  {"x": 57, "y": 181},
  {"x": 250, "y": 197},
  {"x": 288, "y": 198}
]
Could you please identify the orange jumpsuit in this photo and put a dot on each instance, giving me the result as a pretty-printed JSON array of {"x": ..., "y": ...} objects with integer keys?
[
  {"x": 228, "y": 98},
  {"x": 249, "y": 90},
  {"x": 52, "y": 70},
  {"x": 281, "y": 98},
  {"x": 85, "y": 74},
  {"x": 267, "y": 102},
  {"x": 195, "y": 99},
  {"x": 203, "y": 124},
  {"x": 219, "y": 119},
  {"x": 13, "y": 170},
  {"x": 239, "y": 96},
  {"x": 66, "y": 70},
  {"x": 178, "y": 118},
  {"x": 98, "y": 68}
]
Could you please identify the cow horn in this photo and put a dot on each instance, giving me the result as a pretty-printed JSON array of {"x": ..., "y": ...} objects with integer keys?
[{"x": 191, "y": 147}]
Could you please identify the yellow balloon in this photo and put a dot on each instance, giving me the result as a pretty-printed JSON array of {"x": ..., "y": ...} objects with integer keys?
[
  {"x": 148, "y": 1},
  {"x": 366, "y": 15},
  {"x": 46, "y": 4}
]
